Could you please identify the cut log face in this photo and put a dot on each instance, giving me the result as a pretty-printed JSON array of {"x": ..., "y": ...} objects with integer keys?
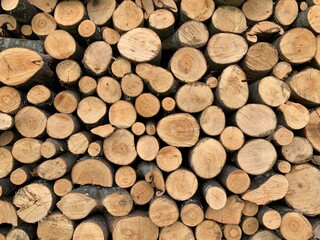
[
  {"x": 295, "y": 226},
  {"x": 312, "y": 130},
  {"x": 208, "y": 230},
  {"x": 163, "y": 211},
  {"x": 256, "y": 11},
  {"x": 298, "y": 151},
  {"x": 201, "y": 11},
  {"x": 27, "y": 150},
  {"x": 43, "y": 24},
  {"x": 10, "y": 216},
  {"x": 177, "y": 231},
  {"x": 69, "y": 14},
  {"x": 122, "y": 114},
  {"x": 169, "y": 158},
  {"x": 285, "y": 12},
  {"x": 101, "y": 12},
  {"x": 191, "y": 213},
  {"x": 10, "y": 100},
  {"x": 61, "y": 125},
  {"x": 94, "y": 227}
]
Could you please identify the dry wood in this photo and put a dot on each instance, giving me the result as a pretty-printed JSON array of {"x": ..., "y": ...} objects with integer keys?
[
  {"x": 308, "y": 19},
  {"x": 142, "y": 192},
  {"x": 40, "y": 96},
  {"x": 303, "y": 6},
  {"x": 9, "y": 214},
  {"x": 201, "y": 11},
  {"x": 46, "y": 6},
  {"x": 147, "y": 105},
  {"x": 6, "y": 121},
  {"x": 87, "y": 85},
  {"x": 298, "y": 151},
  {"x": 91, "y": 110},
  {"x": 68, "y": 72},
  {"x": 23, "y": 231},
  {"x": 138, "y": 128},
  {"x": 27, "y": 150},
  {"x": 264, "y": 234},
  {"x": 147, "y": 147},
  {"x": 93, "y": 227},
  {"x": 177, "y": 231},
  {"x": 43, "y": 24},
  {"x": 170, "y": 5},
  {"x": 110, "y": 36},
  {"x": 316, "y": 60},
  {"x": 169, "y": 158},
  {"x": 8, "y": 137},
  {"x": 52, "y": 147},
  {"x": 232, "y": 138},
  {"x": 22, "y": 10},
  {"x": 9, "y": 23},
  {"x": 214, "y": 194},
  {"x": 78, "y": 143},
  {"x": 131, "y": 85},
  {"x": 122, "y": 114},
  {"x": 191, "y": 212},
  {"x": 281, "y": 136},
  {"x": 151, "y": 128},
  {"x": 26, "y": 31},
  {"x": 263, "y": 31},
  {"x": 89, "y": 31},
  {"x": 120, "y": 67},
  {"x": 103, "y": 131},
  {"x": 212, "y": 120},
  {"x": 23, "y": 174},
  {"x": 285, "y": 12},
  {"x": 162, "y": 22},
  {"x": 250, "y": 209},
  {"x": 269, "y": 217},
  {"x": 62, "y": 125},
  {"x": 168, "y": 104},
  {"x": 95, "y": 148},
  {"x": 66, "y": 101},
  {"x": 256, "y": 11},
  {"x": 232, "y": 232},
  {"x": 63, "y": 186},
  {"x": 249, "y": 225},
  {"x": 208, "y": 230},
  {"x": 283, "y": 166},
  {"x": 108, "y": 89},
  {"x": 100, "y": 12},
  {"x": 147, "y": 6},
  {"x": 311, "y": 130},
  {"x": 10, "y": 100}
]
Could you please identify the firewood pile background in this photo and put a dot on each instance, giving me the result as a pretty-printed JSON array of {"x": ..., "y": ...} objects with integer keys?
[{"x": 160, "y": 119}]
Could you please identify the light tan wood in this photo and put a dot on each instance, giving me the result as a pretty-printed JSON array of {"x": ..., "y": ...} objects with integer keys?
[
  {"x": 52, "y": 147},
  {"x": 10, "y": 215},
  {"x": 63, "y": 186},
  {"x": 283, "y": 166},
  {"x": 147, "y": 147},
  {"x": 8, "y": 137},
  {"x": 316, "y": 60},
  {"x": 10, "y": 24},
  {"x": 169, "y": 158},
  {"x": 147, "y": 105},
  {"x": 162, "y": 22},
  {"x": 40, "y": 95},
  {"x": 26, "y": 31},
  {"x": 22, "y": 231},
  {"x": 108, "y": 89},
  {"x": 177, "y": 231},
  {"x": 167, "y": 4},
  {"x": 256, "y": 11},
  {"x": 138, "y": 128},
  {"x": 151, "y": 128},
  {"x": 91, "y": 110},
  {"x": 285, "y": 12},
  {"x": 250, "y": 209},
  {"x": 62, "y": 125},
  {"x": 6, "y": 121},
  {"x": 281, "y": 136},
  {"x": 249, "y": 225},
  {"x": 303, "y": 6},
  {"x": 142, "y": 192},
  {"x": 120, "y": 67},
  {"x": 43, "y": 24},
  {"x": 307, "y": 19},
  {"x": 168, "y": 104},
  {"x": 269, "y": 217},
  {"x": 69, "y": 72},
  {"x": 298, "y": 151},
  {"x": 212, "y": 120},
  {"x": 311, "y": 130},
  {"x": 208, "y": 230},
  {"x": 147, "y": 6},
  {"x": 103, "y": 131},
  {"x": 27, "y": 150},
  {"x": 95, "y": 148},
  {"x": 69, "y": 14},
  {"x": 66, "y": 101},
  {"x": 211, "y": 81},
  {"x": 125, "y": 176},
  {"x": 89, "y": 31},
  {"x": 191, "y": 212},
  {"x": 214, "y": 194},
  {"x": 93, "y": 227},
  {"x": 265, "y": 234},
  {"x": 10, "y": 100},
  {"x": 78, "y": 143},
  {"x": 263, "y": 31},
  {"x": 232, "y": 232},
  {"x": 101, "y": 12},
  {"x": 110, "y": 36},
  {"x": 122, "y": 114},
  {"x": 201, "y": 11},
  {"x": 131, "y": 85},
  {"x": 46, "y": 6},
  {"x": 22, "y": 174},
  {"x": 87, "y": 85},
  {"x": 232, "y": 138}
]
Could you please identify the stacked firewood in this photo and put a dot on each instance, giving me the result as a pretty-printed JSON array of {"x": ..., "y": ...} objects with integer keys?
[{"x": 160, "y": 119}]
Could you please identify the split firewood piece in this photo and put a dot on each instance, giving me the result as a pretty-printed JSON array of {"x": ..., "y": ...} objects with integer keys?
[
  {"x": 8, "y": 137},
  {"x": 298, "y": 151},
  {"x": 179, "y": 130},
  {"x": 23, "y": 174},
  {"x": 140, "y": 45},
  {"x": 110, "y": 36},
  {"x": 131, "y": 86},
  {"x": 256, "y": 11},
  {"x": 10, "y": 100},
  {"x": 136, "y": 224},
  {"x": 308, "y": 92},
  {"x": 152, "y": 174},
  {"x": 224, "y": 49},
  {"x": 95, "y": 148},
  {"x": 89, "y": 31},
  {"x": 232, "y": 232},
  {"x": 120, "y": 67},
  {"x": 127, "y": 16},
  {"x": 281, "y": 136},
  {"x": 201, "y": 11},
  {"x": 270, "y": 91},
  {"x": 69, "y": 72},
  {"x": 189, "y": 34},
  {"x": 52, "y": 147},
  {"x": 297, "y": 45},
  {"x": 43, "y": 24},
  {"x": 194, "y": 97},
  {"x": 108, "y": 89},
  {"x": 162, "y": 22},
  {"x": 262, "y": 31},
  {"x": 22, "y": 231},
  {"x": 214, "y": 194},
  {"x": 91, "y": 110},
  {"x": 103, "y": 131},
  {"x": 169, "y": 158},
  {"x": 80, "y": 202},
  {"x": 232, "y": 138},
  {"x": 122, "y": 114},
  {"x": 265, "y": 189},
  {"x": 250, "y": 209},
  {"x": 259, "y": 60},
  {"x": 53, "y": 169},
  {"x": 168, "y": 104},
  {"x": 66, "y": 101},
  {"x": 61, "y": 45},
  {"x": 9, "y": 24},
  {"x": 234, "y": 179},
  {"x": 191, "y": 212},
  {"x": 62, "y": 125},
  {"x": 57, "y": 225},
  {"x": 256, "y": 157},
  {"x": 228, "y": 19},
  {"x": 9, "y": 214},
  {"x": 97, "y": 58},
  {"x": 293, "y": 115},
  {"x": 208, "y": 229},
  {"x": 87, "y": 85},
  {"x": 265, "y": 234},
  {"x": 249, "y": 225},
  {"x": 22, "y": 10},
  {"x": 285, "y": 12},
  {"x": 78, "y": 143},
  {"x": 63, "y": 186},
  {"x": 181, "y": 184},
  {"x": 311, "y": 131},
  {"x": 46, "y": 6},
  {"x": 230, "y": 214},
  {"x": 40, "y": 96},
  {"x": 119, "y": 147},
  {"x": 147, "y": 6},
  {"x": 170, "y": 5},
  {"x": 34, "y": 201},
  {"x": 94, "y": 227},
  {"x": 125, "y": 176},
  {"x": 69, "y": 14},
  {"x": 147, "y": 147},
  {"x": 163, "y": 211},
  {"x": 24, "y": 67},
  {"x": 6, "y": 187},
  {"x": 27, "y": 150},
  {"x": 147, "y": 105},
  {"x": 207, "y": 158},
  {"x": 117, "y": 201},
  {"x": 307, "y": 19},
  {"x": 142, "y": 192},
  {"x": 303, "y": 185},
  {"x": 177, "y": 231},
  {"x": 283, "y": 166},
  {"x": 269, "y": 217},
  {"x": 95, "y": 171},
  {"x": 212, "y": 120},
  {"x": 6, "y": 121},
  {"x": 100, "y": 12}
]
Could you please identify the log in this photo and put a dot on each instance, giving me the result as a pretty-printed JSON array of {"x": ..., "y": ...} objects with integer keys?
[
  {"x": 283, "y": 166},
  {"x": 46, "y": 6},
  {"x": 122, "y": 114},
  {"x": 263, "y": 31},
  {"x": 168, "y": 104},
  {"x": 6, "y": 121},
  {"x": 303, "y": 6},
  {"x": 103, "y": 131},
  {"x": 8, "y": 137},
  {"x": 281, "y": 136},
  {"x": 63, "y": 186},
  {"x": 142, "y": 192},
  {"x": 131, "y": 85},
  {"x": 264, "y": 234},
  {"x": 10, "y": 216},
  {"x": 87, "y": 85},
  {"x": 22, "y": 10},
  {"x": 10, "y": 100},
  {"x": 110, "y": 36},
  {"x": 147, "y": 147},
  {"x": 250, "y": 209},
  {"x": 95, "y": 148},
  {"x": 232, "y": 138},
  {"x": 120, "y": 67},
  {"x": 249, "y": 225},
  {"x": 27, "y": 150},
  {"x": 147, "y": 6},
  {"x": 177, "y": 231},
  {"x": 109, "y": 90},
  {"x": 161, "y": 21},
  {"x": 151, "y": 128},
  {"x": 78, "y": 143},
  {"x": 191, "y": 212},
  {"x": 298, "y": 151},
  {"x": 68, "y": 72},
  {"x": 26, "y": 31},
  {"x": 256, "y": 11},
  {"x": 43, "y": 24},
  {"x": 40, "y": 96},
  {"x": 138, "y": 128},
  {"x": 232, "y": 232},
  {"x": 91, "y": 110},
  {"x": 311, "y": 130},
  {"x": 66, "y": 101},
  {"x": 214, "y": 194},
  {"x": 285, "y": 12},
  {"x": 100, "y": 12},
  {"x": 62, "y": 125},
  {"x": 212, "y": 120},
  {"x": 169, "y": 158},
  {"x": 94, "y": 227},
  {"x": 306, "y": 19},
  {"x": 89, "y": 31},
  {"x": 147, "y": 105},
  {"x": 269, "y": 217},
  {"x": 201, "y": 11},
  {"x": 22, "y": 231},
  {"x": 208, "y": 230},
  {"x": 23, "y": 174},
  {"x": 52, "y": 148}
]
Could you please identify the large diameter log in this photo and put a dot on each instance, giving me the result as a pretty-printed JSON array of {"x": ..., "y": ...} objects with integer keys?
[
  {"x": 27, "y": 150},
  {"x": 177, "y": 231},
  {"x": 100, "y": 12},
  {"x": 147, "y": 147},
  {"x": 68, "y": 72},
  {"x": 208, "y": 230},
  {"x": 62, "y": 125},
  {"x": 312, "y": 130},
  {"x": 91, "y": 110},
  {"x": 94, "y": 227},
  {"x": 201, "y": 11},
  {"x": 40, "y": 96},
  {"x": 256, "y": 11},
  {"x": 285, "y": 12},
  {"x": 125, "y": 176},
  {"x": 142, "y": 192},
  {"x": 43, "y": 24}
]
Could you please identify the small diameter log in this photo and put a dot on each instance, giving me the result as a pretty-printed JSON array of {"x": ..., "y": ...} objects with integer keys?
[
  {"x": 189, "y": 34},
  {"x": 234, "y": 179},
  {"x": 191, "y": 212},
  {"x": 40, "y": 96},
  {"x": 22, "y": 174},
  {"x": 249, "y": 225},
  {"x": 285, "y": 12},
  {"x": 110, "y": 36},
  {"x": 34, "y": 202},
  {"x": 283, "y": 166},
  {"x": 207, "y": 158},
  {"x": 151, "y": 128},
  {"x": 120, "y": 67},
  {"x": 22, "y": 231},
  {"x": 298, "y": 151},
  {"x": 52, "y": 147},
  {"x": 119, "y": 147},
  {"x": 269, "y": 217},
  {"x": 87, "y": 85},
  {"x": 228, "y": 19},
  {"x": 66, "y": 101},
  {"x": 136, "y": 224},
  {"x": 281, "y": 136},
  {"x": 46, "y": 6},
  {"x": 177, "y": 231},
  {"x": 89, "y": 31},
  {"x": 125, "y": 176},
  {"x": 201, "y": 11},
  {"x": 8, "y": 137},
  {"x": 232, "y": 232},
  {"x": 250, "y": 209},
  {"x": 312, "y": 131},
  {"x": 57, "y": 225},
  {"x": 27, "y": 150},
  {"x": 261, "y": 123},
  {"x": 78, "y": 143},
  {"x": 142, "y": 192},
  {"x": 147, "y": 147},
  {"x": 10, "y": 216},
  {"x": 6, "y": 121},
  {"x": 168, "y": 104},
  {"x": 95, "y": 148},
  {"x": 109, "y": 90},
  {"x": 122, "y": 114},
  {"x": 256, "y": 11},
  {"x": 101, "y": 12},
  {"x": 270, "y": 91},
  {"x": 22, "y": 10},
  {"x": 162, "y": 22},
  {"x": 69, "y": 72},
  {"x": 10, "y": 100},
  {"x": 62, "y": 125},
  {"x": 263, "y": 31},
  {"x": 103, "y": 131},
  {"x": 55, "y": 168},
  {"x": 297, "y": 45},
  {"x": 6, "y": 187},
  {"x": 307, "y": 19},
  {"x": 256, "y": 157},
  {"x": 232, "y": 138},
  {"x": 181, "y": 184},
  {"x": 147, "y": 105},
  {"x": 169, "y": 158},
  {"x": 214, "y": 194},
  {"x": 138, "y": 128},
  {"x": 194, "y": 97},
  {"x": 163, "y": 211},
  {"x": 310, "y": 78},
  {"x": 95, "y": 171},
  {"x": 212, "y": 120},
  {"x": 303, "y": 185},
  {"x": 131, "y": 85},
  {"x": 293, "y": 115},
  {"x": 63, "y": 186},
  {"x": 266, "y": 189},
  {"x": 140, "y": 45},
  {"x": 27, "y": 32},
  {"x": 224, "y": 49},
  {"x": 264, "y": 234},
  {"x": 43, "y": 24},
  {"x": 303, "y": 6},
  {"x": 93, "y": 227},
  {"x": 91, "y": 110},
  {"x": 80, "y": 202},
  {"x": 208, "y": 229}
]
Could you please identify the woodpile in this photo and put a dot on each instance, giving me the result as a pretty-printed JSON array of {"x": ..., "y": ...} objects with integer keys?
[{"x": 160, "y": 119}]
